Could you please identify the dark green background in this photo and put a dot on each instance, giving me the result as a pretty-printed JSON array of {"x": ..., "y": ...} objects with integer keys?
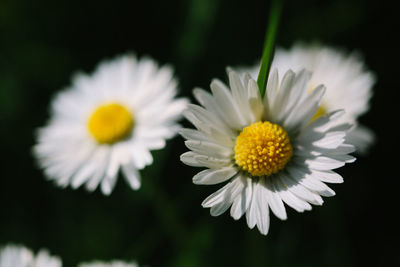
[{"x": 43, "y": 42}]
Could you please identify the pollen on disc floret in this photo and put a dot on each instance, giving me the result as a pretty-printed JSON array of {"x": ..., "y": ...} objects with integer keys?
[
  {"x": 110, "y": 123},
  {"x": 263, "y": 148}
]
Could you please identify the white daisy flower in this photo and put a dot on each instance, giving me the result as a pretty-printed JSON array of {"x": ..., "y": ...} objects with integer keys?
[
  {"x": 19, "y": 256},
  {"x": 266, "y": 149},
  {"x": 109, "y": 264},
  {"x": 349, "y": 84},
  {"x": 109, "y": 121}
]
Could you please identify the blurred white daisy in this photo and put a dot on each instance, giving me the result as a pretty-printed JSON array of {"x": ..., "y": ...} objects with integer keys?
[
  {"x": 108, "y": 264},
  {"x": 19, "y": 256},
  {"x": 349, "y": 84},
  {"x": 109, "y": 121},
  {"x": 266, "y": 149}
]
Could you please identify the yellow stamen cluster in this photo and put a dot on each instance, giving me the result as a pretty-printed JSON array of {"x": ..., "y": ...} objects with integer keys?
[
  {"x": 263, "y": 148},
  {"x": 110, "y": 123}
]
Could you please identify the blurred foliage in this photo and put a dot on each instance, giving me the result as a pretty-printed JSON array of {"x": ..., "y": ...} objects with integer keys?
[{"x": 43, "y": 42}]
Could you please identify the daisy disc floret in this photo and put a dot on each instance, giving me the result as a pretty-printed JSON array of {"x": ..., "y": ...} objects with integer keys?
[
  {"x": 262, "y": 148},
  {"x": 108, "y": 122},
  {"x": 268, "y": 151}
]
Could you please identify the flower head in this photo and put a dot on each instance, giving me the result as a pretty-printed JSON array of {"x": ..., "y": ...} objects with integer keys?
[
  {"x": 109, "y": 121},
  {"x": 266, "y": 149},
  {"x": 19, "y": 256},
  {"x": 349, "y": 84}
]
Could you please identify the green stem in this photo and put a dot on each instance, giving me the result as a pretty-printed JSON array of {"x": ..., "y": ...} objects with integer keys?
[{"x": 268, "y": 50}]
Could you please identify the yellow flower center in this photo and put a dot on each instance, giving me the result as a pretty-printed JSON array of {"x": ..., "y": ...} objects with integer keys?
[
  {"x": 263, "y": 148},
  {"x": 110, "y": 123}
]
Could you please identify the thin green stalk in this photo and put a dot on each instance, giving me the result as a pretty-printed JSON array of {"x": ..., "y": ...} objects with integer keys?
[{"x": 268, "y": 50}]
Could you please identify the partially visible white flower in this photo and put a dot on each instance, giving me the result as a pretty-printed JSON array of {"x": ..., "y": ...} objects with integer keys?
[
  {"x": 19, "y": 256},
  {"x": 348, "y": 82},
  {"x": 266, "y": 149},
  {"x": 115, "y": 263},
  {"x": 109, "y": 122}
]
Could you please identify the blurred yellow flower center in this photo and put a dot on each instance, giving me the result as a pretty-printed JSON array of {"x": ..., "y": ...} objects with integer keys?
[
  {"x": 263, "y": 148},
  {"x": 110, "y": 123},
  {"x": 320, "y": 112}
]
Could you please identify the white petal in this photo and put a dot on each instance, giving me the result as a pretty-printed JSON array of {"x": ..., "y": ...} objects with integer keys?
[
  {"x": 361, "y": 137},
  {"x": 331, "y": 145},
  {"x": 282, "y": 95},
  {"x": 140, "y": 156},
  {"x": 239, "y": 94},
  {"x": 342, "y": 158},
  {"x": 289, "y": 198},
  {"x": 216, "y": 197},
  {"x": 191, "y": 134},
  {"x": 274, "y": 200},
  {"x": 331, "y": 140},
  {"x": 189, "y": 159},
  {"x": 107, "y": 185},
  {"x": 247, "y": 77},
  {"x": 302, "y": 114},
  {"x": 213, "y": 135},
  {"x": 328, "y": 176},
  {"x": 300, "y": 191},
  {"x": 271, "y": 90},
  {"x": 343, "y": 149},
  {"x": 323, "y": 163},
  {"x": 212, "y": 162},
  {"x": 207, "y": 117},
  {"x": 210, "y": 176},
  {"x": 114, "y": 164},
  {"x": 150, "y": 144},
  {"x": 263, "y": 210},
  {"x": 104, "y": 155},
  {"x": 255, "y": 101},
  {"x": 228, "y": 106},
  {"x": 204, "y": 127},
  {"x": 132, "y": 176},
  {"x": 222, "y": 139},
  {"x": 324, "y": 123},
  {"x": 309, "y": 180},
  {"x": 252, "y": 211},
  {"x": 300, "y": 87},
  {"x": 83, "y": 174},
  {"x": 172, "y": 111},
  {"x": 207, "y": 101},
  {"x": 234, "y": 189},
  {"x": 242, "y": 201},
  {"x": 208, "y": 148},
  {"x": 315, "y": 185}
]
